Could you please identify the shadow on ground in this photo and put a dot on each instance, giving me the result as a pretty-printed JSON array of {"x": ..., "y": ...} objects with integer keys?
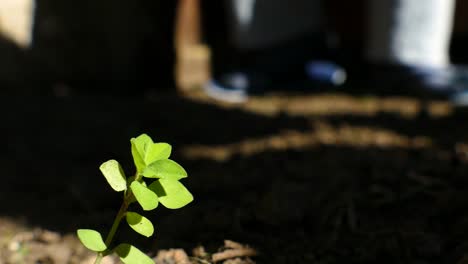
[{"x": 302, "y": 188}]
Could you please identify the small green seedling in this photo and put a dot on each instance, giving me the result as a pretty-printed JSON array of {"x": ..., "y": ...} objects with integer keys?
[{"x": 152, "y": 162}]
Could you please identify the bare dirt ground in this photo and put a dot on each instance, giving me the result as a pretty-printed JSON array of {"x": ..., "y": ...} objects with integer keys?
[{"x": 301, "y": 179}]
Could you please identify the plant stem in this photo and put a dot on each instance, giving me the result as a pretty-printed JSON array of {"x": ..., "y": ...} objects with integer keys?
[
  {"x": 98, "y": 258},
  {"x": 115, "y": 225}
]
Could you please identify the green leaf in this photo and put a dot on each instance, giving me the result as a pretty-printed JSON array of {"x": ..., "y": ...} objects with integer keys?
[
  {"x": 91, "y": 239},
  {"x": 142, "y": 142},
  {"x": 145, "y": 152},
  {"x": 145, "y": 197},
  {"x": 140, "y": 224},
  {"x": 165, "y": 169},
  {"x": 157, "y": 151},
  {"x": 114, "y": 175},
  {"x": 132, "y": 255},
  {"x": 137, "y": 157},
  {"x": 172, "y": 194}
]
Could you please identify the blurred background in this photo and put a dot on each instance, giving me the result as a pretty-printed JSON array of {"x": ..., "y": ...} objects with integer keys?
[
  {"x": 95, "y": 46},
  {"x": 327, "y": 175}
]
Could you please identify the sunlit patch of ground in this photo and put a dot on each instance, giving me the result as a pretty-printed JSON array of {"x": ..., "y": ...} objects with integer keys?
[
  {"x": 400, "y": 154},
  {"x": 332, "y": 104},
  {"x": 322, "y": 134}
]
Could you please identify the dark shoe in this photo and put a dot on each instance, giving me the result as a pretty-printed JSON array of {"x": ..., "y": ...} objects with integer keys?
[
  {"x": 235, "y": 87},
  {"x": 449, "y": 83},
  {"x": 300, "y": 64}
]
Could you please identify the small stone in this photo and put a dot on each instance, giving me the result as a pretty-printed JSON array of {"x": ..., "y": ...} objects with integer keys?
[
  {"x": 173, "y": 256},
  {"x": 14, "y": 246},
  {"x": 48, "y": 236},
  {"x": 105, "y": 260}
]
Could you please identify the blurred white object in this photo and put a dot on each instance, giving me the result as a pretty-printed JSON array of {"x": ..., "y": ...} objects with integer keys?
[
  {"x": 410, "y": 32},
  {"x": 16, "y": 21},
  {"x": 244, "y": 11}
]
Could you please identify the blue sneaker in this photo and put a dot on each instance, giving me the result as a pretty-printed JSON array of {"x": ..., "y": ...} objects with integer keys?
[
  {"x": 236, "y": 87},
  {"x": 326, "y": 72}
]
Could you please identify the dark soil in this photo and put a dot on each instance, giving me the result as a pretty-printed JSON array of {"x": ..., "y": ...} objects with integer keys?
[{"x": 303, "y": 179}]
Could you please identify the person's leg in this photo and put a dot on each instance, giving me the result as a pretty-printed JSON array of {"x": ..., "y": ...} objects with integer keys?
[
  {"x": 16, "y": 21},
  {"x": 258, "y": 24},
  {"x": 410, "y": 32},
  {"x": 411, "y": 41},
  {"x": 272, "y": 43}
]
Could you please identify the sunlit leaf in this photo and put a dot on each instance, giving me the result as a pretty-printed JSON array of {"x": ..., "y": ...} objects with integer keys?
[
  {"x": 114, "y": 175},
  {"x": 132, "y": 255},
  {"x": 139, "y": 146},
  {"x": 145, "y": 197},
  {"x": 142, "y": 142},
  {"x": 137, "y": 158},
  {"x": 171, "y": 193},
  {"x": 140, "y": 224},
  {"x": 165, "y": 169},
  {"x": 91, "y": 239},
  {"x": 157, "y": 151}
]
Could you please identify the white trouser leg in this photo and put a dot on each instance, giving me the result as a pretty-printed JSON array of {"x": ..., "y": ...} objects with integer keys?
[
  {"x": 16, "y": 20},
  {"x": 260, "y": 23},
  {"x": 410, "y": 32}
]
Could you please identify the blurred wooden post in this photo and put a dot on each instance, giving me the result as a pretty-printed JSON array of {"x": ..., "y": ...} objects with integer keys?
[
  {"x": 16, "y": 21},
  {"x": 193, "y": 58}
]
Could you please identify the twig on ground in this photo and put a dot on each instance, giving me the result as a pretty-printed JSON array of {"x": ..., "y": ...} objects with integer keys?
[{"x": 233, "y": 253}]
